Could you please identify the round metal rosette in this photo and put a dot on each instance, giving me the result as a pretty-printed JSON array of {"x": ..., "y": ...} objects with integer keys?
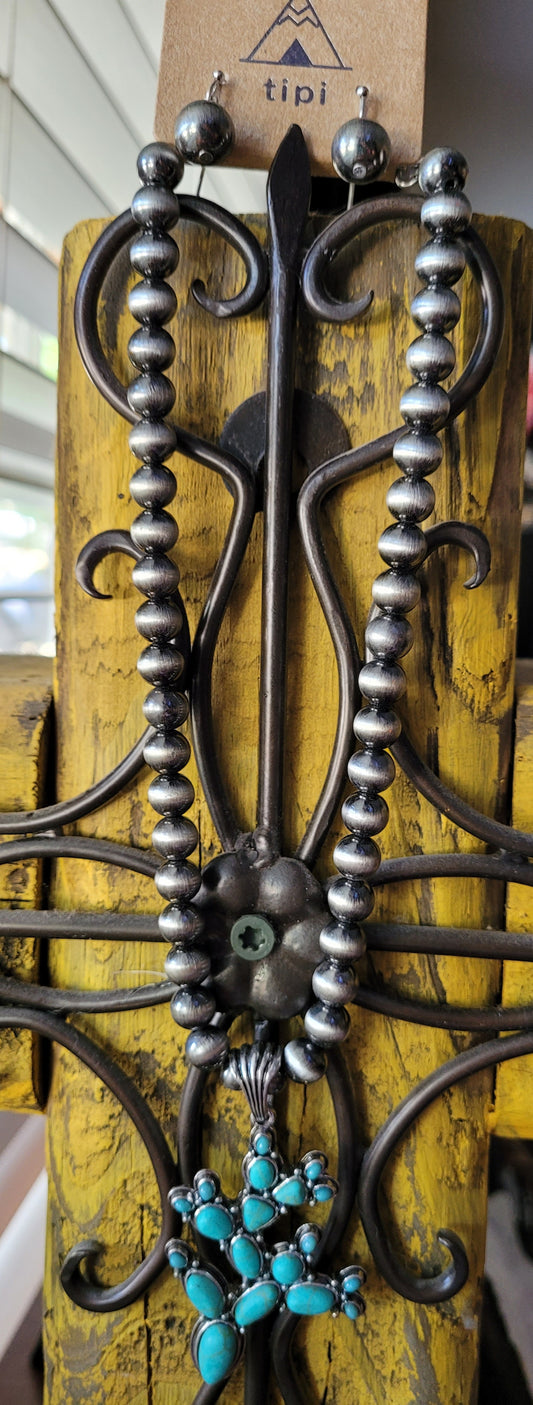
[{"x": 290, "y": 902}]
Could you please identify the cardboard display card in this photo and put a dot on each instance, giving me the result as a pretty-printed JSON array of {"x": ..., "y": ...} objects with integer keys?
[{"x": 298, "y": 62}]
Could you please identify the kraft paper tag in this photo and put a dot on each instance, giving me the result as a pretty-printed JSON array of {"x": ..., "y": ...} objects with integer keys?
[{"x": 298, "y": 62}]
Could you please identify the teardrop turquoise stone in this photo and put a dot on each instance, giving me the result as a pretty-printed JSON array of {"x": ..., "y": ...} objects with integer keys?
[
  {"x": 308, "y": 1242},
  {"x": 214, "y": 1221},
  {"x": 314, "y": 1169},
  {"x": 287, "y": 1268},
  {"x": 262, "y": 1173},
  {"x": 255, "y": 1303},
  {"x": 217, "y": 1351},
  {"x": 257, "y": 1213},
  {"x": 351, "y": 1310},
  {"x": 263, "y": 1143},
  {"x": 323, "y": 1192},
  {"x": 291, "y": 1191},
  {"x": 246, "y": 1257},
  {"x": 310, "y": 1299},
  {"x": 204, "y": 1292}
]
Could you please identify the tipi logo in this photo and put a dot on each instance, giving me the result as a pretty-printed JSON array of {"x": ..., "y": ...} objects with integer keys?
[{"x": 298, "y": 39}]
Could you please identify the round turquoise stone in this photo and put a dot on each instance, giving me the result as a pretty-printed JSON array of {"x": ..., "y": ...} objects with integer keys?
[
  {"x": 287, "y": 1268},
  {"x": 352, "y": 1283},
  {"x": 217, "y": 1351},
  {"x": 214, "y": 1221},
  {"x": 246, "y": 1257},
  {"x": 323, "y": 1192},
  {"x": 310, "y": 1299},
  {"x": 262, "y": 1173},
  {"x": 314, "y": 1169},
  {"x": 256, "y": 1302},
  {"x": 351, "y": 1310},
  {"x": 308, "y": 1242},
  {"x": 291, "y": 1191},
  {"x": 263, "y": 1143},
  {"x": 206, "y": 1190},
  {"x": 257, "y": 1213},
  {"x": 204, "y": 1292}
]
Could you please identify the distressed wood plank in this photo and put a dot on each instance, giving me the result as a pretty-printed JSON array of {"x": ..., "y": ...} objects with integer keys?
[
  {"x": 460, "y": 707},
  {"x": 25, "y": 701}
]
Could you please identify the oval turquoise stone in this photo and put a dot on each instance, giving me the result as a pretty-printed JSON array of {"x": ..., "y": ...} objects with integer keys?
[
  {"x": 255, "y": 1303},
  {"x": 246, "y": 1257},
  {"x": 291, "y": 1191},
  {"x": 177, "y": 1260},
  {"x": 351, "y": 1310},
  {"x": 310, "y": 1299},
  {"x": 182, "y": 1205},
  {"x": 323, "y": 1192},
  {"x": 217, "y": 1351},
  {"x": 204, "y": 1292},
  {"x": 263, "y": 1143},
  {"x": 214, "y": 1221},
  {"x": 257, "y": 1213},
  {"x": 308, "y": 1242},
  {"x": 314, "y": 1169},
  {"x": 262, "y": 1173},
  {"x": 352, "y": 1283},
  {"x": 206, "y": 1190},
  {"x": 287, "y": 1268}
]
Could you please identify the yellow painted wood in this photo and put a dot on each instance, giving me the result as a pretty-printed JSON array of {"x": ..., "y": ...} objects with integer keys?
[
  {"x": 513, "y": 1106},
  {"x": 460, "y": 707},
  {"x": 25, "y": 700}
]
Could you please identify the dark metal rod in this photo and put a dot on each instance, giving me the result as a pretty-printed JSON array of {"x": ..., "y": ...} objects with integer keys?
[
  {"x": 500, "y": 836},
  {"x": 449, "y": 941},
  {"x": 504, "y": 867},
  {"x": 46, "y": 997},
  {"x": 66, "y": 811},
  {"x": 77, "y": 846},
  {"x": 288, "y": 194},
  {"x": 79, "y": 926},
  {"x": 479, "y": 1018}
]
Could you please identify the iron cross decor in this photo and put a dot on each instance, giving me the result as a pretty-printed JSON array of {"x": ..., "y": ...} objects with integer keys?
[{"x": 255, "y": 930}]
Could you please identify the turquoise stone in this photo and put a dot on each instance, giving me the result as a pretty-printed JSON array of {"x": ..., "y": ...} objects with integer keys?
[
  {"x": 262, "y": 1173},
  {"x": 263, "y": 1144},
  {"x": 256, "y": 1302},
  {"x": 204, "y": 1292},
  {"x": 352, "y": 1283},
  {"x": 308, "y": 1242},
  {"x": 287, "y": 1268},
  {"x": 291, "y": 1191},
  {"x": 310, "y": 1299},
  {"x": 217, "y": 1351},
  {"x": 323, "y": 1192},
  {"x": 257, "y": 1213},
  {"x": 246, "y": 1257},
  {"x": 351, "y": 1310},
  {"x": 182, "y": 1204},
  {"x": 178, "y": 1260},
  {"x": 214, "y": 1221},
  {"x": 206, "y": 1190},
  {"x": 314, "y": 1169}
]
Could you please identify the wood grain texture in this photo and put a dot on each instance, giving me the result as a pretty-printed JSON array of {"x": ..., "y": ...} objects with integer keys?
[
  {"x": 513, "y": 1104},
  {"x": 459, "y": 703},
  {"x": 25, "y": 702}
]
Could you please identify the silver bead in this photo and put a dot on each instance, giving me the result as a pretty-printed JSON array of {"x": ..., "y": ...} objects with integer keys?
[
  {"x": 356, "y": 857},
  {"x": 152, "y": 439},
  {"x": 389, "y": 636},
  {"x": 417, "y": 453},
  {"x": 376, "y": 728},
  {"x": 151, "y": 348},
  {"x": 151, "y": 394},
  {"x": 152, "y": 300},
  {"x": 446, "y": 214},
  {"x": 334, "y": 984},
  {"x": 326, "y": 1025},
  {"x": 342, "y": 943},
  {"x": 160, "y": 663},
  {"x": 304, "y": 1063},
  {"x": 360, "y": 151},
  {"x": 191, "y": 1006},
  {"x": 436, "y": 309},
  {"x": 443, "y": 168},
  {"x": 205, "y": 1048},
  {"x": 155, "y": 575},
  {"x": 187, "y": 965},
  {"x": 411, "y": 499},
  {"x": 350, "y": 901},
  {"x": 171, "y": 797},
  {"x": 154, "y": 531},
  {"x": 403, "y": 545},
  {"x": 159, "y": 163},
  {"x": 180, "y": 925},
  {"x": 396, "y": 590},
  {"x": 156, "y": 207},
  {"x": 178, "y": 836},
  {"x": 153, "y": 485},
  {"x": 425, "y": 405},
  {"x": 159, "y": 620},
  {"x": 365, "y": 814},
  {"x": 442, "y": 260},
  {"x": 154, "y": 253},
  {"x": 177, "y": 881},
  {"x": 430, "y": 357},
  {"x": 204, "y": 132},
  {"x": 373, "y": 770},
  {"x": 167, "y": 751},
  {"x": 165, "y": 708},
  {"x": 382, "y": 682}
]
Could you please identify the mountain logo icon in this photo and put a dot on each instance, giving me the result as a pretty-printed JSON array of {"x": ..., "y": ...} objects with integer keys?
[{"x": 297, "y": 38}]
